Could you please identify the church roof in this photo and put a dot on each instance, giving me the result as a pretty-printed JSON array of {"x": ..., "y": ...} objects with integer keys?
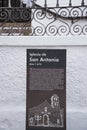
[{"x": 40, "y": 108}]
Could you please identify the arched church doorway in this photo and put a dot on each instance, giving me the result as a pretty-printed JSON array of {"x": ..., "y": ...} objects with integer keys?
[{"x": 45, "y": 120}]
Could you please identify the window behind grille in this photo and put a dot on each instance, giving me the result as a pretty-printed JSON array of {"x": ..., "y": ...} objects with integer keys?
[
  {"x": 14, "y": 3},
  {"x": 3, "y": 3}
]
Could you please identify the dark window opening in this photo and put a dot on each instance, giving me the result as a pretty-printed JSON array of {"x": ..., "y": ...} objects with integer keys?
[
  {"x": 15, "y": 3},
  {"x": 3, "y": 3},
  {"x": 10, "y": 3}
]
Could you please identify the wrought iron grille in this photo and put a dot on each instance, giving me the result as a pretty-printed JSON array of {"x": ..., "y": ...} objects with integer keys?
[{"x": 40, "y": 21}]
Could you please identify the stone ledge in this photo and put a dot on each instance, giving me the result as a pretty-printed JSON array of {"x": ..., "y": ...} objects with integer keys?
[{"x": 43, "y": 41}]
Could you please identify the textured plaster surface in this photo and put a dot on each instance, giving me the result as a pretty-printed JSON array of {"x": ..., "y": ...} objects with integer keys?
[{"x": 13, "y": 88}]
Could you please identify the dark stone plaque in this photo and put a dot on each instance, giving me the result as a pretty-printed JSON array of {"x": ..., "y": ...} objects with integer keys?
[{"x": 46, "y": 89}]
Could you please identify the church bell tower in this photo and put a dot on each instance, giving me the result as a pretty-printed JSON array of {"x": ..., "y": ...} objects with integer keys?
[{"x": 55, "y": 101}]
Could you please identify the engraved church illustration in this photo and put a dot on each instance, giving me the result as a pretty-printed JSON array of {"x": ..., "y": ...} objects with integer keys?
[{"x": 47, "y": 114}]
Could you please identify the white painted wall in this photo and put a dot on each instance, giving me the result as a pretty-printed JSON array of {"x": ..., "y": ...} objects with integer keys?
[
  {"x": 53, "y": 2},
  {"x": 13, "y": 79},
  {"x": 50, "y": 2}
]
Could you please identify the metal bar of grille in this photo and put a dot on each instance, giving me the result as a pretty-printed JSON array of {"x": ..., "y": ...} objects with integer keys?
[
  {"x": 45, "y": 4},
  {"x": 57, "y": 4},
  {"x": 70, "y": 3},
  {"x": 82, "y": 3}
]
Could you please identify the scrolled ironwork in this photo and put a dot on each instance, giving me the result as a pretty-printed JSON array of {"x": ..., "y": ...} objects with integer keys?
[
  {"x": 76, "y": 29},
  {"x": 63, "y": 12},
  {"x": 75, "y": 12},
  {"x": 85, "y": 29},
  {"x": 41, "y": 21},
  {"x": 63, "y": 30},
  {"x": 39, "y": 14},
  {"x": 16, "y": 31},
  {"x": 85, "y": 12},
  {"x": 26, "y": 15},
  {"x": 4, "y": 15},
  {"x": 39, "y": 31},
  {"x": 15, "y": 14},
  {"x": 49, "y": 15},
  {"x": 51, "y": 30},
  {"x": 5, "y": 31}
]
